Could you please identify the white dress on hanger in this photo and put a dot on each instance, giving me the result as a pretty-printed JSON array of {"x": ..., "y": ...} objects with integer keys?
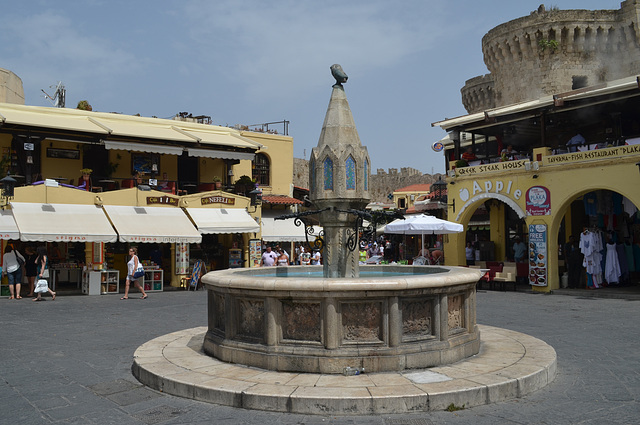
[{"x": 612, "y": 265}]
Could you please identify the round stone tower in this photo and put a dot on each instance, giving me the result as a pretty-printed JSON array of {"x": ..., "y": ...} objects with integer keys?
[
  {"x": 339, "y": 170},
  {"x": 555, "y": 51}
]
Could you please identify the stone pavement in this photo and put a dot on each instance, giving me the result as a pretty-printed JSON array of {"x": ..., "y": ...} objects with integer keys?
[{"x": 69, "y": 361}]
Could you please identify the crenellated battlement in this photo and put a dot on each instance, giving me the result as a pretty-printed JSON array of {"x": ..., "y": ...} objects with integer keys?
[
  {"x": 554, "y": 51},
  {"x": 477, "y": 94}
]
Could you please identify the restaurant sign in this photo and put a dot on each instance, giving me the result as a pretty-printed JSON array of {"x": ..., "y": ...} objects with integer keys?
[
  {"x": 538, "y": 199},
  {"x": 208, "y": 200},
  {"x": 497, "y": 166},
  {"x": 538, "y": 255},
  {"x": 631, "y": 150},
  {"x": 162, "y": 200}
]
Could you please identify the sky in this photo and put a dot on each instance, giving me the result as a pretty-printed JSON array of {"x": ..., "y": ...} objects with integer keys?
[{"x": 254, "y": 61}]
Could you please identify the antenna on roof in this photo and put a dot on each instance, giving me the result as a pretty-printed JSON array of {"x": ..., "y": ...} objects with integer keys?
[{"x": 58, "y": 97}]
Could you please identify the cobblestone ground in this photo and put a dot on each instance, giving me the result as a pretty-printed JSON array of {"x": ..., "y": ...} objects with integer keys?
[{"x": 68, "y": 361}]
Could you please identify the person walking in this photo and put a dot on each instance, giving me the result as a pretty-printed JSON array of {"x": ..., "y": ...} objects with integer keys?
[
  {"x": 30, "y": 268},
  {"x": 13, "y": 270},
  {"x": 132, "y": 266},
  {"x": 42, "y": 267}
]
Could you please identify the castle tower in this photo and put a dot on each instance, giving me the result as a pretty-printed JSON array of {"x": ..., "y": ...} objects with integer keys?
[{"x": 339, "y": 170}]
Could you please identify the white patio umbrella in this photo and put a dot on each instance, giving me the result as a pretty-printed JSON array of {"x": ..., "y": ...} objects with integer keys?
[{"x": 422, "y": 225}]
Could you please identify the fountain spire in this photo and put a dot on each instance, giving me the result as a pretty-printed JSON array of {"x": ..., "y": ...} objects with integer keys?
[{"x": 339, "y": 182}]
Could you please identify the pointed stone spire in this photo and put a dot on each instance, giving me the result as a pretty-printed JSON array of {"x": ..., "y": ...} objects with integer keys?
[{"x": 339, "y": 181}]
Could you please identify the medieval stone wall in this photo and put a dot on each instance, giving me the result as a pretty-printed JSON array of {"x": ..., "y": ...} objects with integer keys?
[
  {"x": 380, "y": 184},
  {"x": 555, "y": 51}
]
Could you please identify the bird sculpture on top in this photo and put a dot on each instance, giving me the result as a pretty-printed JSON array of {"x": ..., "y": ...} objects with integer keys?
[{"x": 338, "y": 74}]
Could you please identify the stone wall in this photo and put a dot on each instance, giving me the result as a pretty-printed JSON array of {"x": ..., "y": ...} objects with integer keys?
[
  {"x": 381, "y": 184},
  {"x": 555, "y": 51},
  {"x": 11, "y": 90}
]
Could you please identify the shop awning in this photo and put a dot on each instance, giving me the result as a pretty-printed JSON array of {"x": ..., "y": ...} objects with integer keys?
[
  {"x": 152, "y": 224},
  {"x": 144, "y": 147},
  {"x": 8, "y": 226},
  {"x": 213, "y": 153},
  {"x": 62, "y": 223},
  {"x": 223, "y": 220},
  {"x": 284, "y": 231}
]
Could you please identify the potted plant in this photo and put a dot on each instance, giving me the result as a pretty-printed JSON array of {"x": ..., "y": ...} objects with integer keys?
[
  {"x": 217, "y": 181},
  {"x": 244, "y": 185}
]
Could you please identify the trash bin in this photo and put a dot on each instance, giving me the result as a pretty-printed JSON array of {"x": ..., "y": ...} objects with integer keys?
[{"x": 564, "y": 280}]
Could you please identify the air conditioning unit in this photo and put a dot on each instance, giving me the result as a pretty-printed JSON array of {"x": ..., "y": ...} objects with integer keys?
[{"x": 451, "y": 173}]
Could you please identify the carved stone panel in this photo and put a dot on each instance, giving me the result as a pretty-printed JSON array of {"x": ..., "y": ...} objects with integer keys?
[
  {"x": 301, "y": 321},
  {"x": 251, "y": 318},
  {"x": 417, "y": 318},
  {"x": 219, "y": 316},
  {"x": 362, "y": 322},
  {"x": 456, "y": 312}
]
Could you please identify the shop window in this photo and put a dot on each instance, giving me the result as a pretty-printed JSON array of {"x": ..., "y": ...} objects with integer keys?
[
  {"x": 350, "y": 169},
  {"x": 328, "y": 174},
  {"x": 261, "y": 169}
]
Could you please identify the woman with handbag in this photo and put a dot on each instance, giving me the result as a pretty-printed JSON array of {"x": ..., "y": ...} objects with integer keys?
[
  {"x": 13, "y": 262},
  {"x": 42, "y": 264},
  {"x": 134, "y": 272}
]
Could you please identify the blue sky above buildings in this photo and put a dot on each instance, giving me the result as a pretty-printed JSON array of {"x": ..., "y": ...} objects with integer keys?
[{"x": 249, "y": 62}]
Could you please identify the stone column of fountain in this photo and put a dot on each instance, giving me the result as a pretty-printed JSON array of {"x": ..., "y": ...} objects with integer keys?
[{"x": 339, "y": 181}]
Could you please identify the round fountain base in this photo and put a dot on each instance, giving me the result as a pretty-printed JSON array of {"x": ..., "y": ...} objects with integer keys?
[
  {"x": 392, "y": 318},
  {"x": 509, "y": 365}
]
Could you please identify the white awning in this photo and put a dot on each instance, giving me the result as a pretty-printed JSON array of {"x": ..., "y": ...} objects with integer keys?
[
  {"x": 212, "y": 153},
  {"x": 285, "y": 231},
  {"x": 143, "y": 147},
  {"x": 223, "y": 220},
  {"x": 62, "y": 223},
  {"x": 8, "y": 226},
  {"x": 152, "y": 224}
]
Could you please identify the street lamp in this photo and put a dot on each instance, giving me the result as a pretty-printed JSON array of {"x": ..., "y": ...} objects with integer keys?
[{"x": 8, "y": 186}]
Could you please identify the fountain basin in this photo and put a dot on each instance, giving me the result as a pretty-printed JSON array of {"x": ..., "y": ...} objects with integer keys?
[{"x": 390, "y": 319}]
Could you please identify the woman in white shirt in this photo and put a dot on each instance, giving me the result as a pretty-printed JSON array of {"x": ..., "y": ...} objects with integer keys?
[
  {"x": 13, "y": 270},
  {"x": 132, "y": 265}
]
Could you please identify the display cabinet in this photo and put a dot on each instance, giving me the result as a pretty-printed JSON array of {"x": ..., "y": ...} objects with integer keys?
[
  {"x": 100, "y": 282},
  {"x": 153, "y": 280}
]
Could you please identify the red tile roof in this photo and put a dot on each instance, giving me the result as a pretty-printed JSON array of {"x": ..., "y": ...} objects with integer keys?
[
  {"x": 422, "y": 187},
  {"x": 280, "y": 200}
]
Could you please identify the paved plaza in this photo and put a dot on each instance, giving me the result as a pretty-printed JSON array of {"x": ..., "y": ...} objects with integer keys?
[{"x": 69, "y": 361}]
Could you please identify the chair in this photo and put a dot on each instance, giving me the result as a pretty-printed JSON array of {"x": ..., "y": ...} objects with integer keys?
[
  {"x": 419, "y": 261},
  {"x": 206, "y": 187},
  {"x": 127, "y": 183},
  {"x": 507, "y": 275}
]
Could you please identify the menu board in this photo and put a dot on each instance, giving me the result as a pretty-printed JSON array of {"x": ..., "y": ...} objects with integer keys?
[
  {"x": 255, "y": 252},
  {"x": 182, "y": 258},
  {"x": 538, "y": 271}
]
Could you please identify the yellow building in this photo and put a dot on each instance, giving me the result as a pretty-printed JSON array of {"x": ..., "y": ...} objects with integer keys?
[
  {"x": 140, "y": 166},
  {"x": 556, "y": 184},
  {"x": 406, "y": 197}
]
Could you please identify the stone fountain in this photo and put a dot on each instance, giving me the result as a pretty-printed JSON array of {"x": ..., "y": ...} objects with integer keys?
[{"x": 322, "y": 319}]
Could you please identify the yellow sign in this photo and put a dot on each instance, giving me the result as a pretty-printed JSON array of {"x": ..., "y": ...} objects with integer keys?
[
  {"x": 594, "y": 154},
  {"x": 497, "y": 166}
]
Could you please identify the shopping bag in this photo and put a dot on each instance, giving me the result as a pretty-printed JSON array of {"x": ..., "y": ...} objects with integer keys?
[
  {"x": 41, "y": 286},
  {"x": 139, "y": 272}
]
